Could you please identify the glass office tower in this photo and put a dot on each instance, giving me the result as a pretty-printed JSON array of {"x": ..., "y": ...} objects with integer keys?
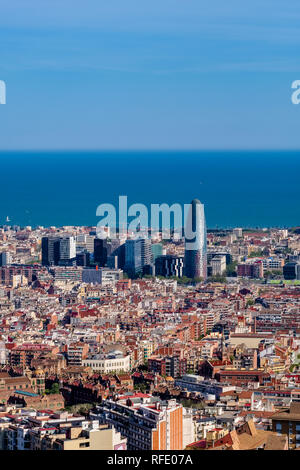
[{"x": 195, "y": 257}]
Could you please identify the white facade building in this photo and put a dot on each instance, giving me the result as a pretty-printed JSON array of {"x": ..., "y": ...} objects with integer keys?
[
  {"x": 114, "y": 361},
  {"x": 67, "y": 248}
]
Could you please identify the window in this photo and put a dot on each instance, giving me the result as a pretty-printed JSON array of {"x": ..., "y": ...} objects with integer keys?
[
  {"x": 84, "y": 444},
  {"x": 278, "y": 428}
]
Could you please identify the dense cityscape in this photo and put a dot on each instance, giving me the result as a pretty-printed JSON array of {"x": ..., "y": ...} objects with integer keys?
[
  {"x": 149, "y": 232},
  {"x": 139, "y": 343}
]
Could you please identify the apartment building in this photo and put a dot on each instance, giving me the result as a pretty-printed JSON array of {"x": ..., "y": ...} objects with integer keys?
[
  {"x": 85, "y": 435},
  {"x": 22, "y": 355},
  {"x": 76, "y": 354},
  {"x": 147, "y": 422},
  {"x": 287, "y": 422},
  {"x": 252, "y": 270}
]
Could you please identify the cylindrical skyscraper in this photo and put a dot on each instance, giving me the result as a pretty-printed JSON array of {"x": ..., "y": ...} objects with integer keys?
[{"x": 195, "y": 257}]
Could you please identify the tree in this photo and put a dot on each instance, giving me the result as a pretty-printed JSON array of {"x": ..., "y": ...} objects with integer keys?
[
  {"x": 276, "y": 272},
  {"x": 54, "y": 389},
  {"x": 81, "y": 408},
  {"x": 231, "y": 269},
  {"x": 255, "y": 254},
  {"x": 182, "y": 280},
  {"x": 200, "y": 337},
  {"x": 267, "y": 274},
  {"x": 217, "y": 278},
  {"x": 198, "y": 279},
  {"x": 142, "y": 387}
]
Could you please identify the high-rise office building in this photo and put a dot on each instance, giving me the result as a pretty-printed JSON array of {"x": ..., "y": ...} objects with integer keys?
[
  {"x": 133, "y": 256},
  {"x": 50, "y": 251},
  {"x": 146, "y": 252},
  {"x": 138, "y": 255},
  {"x": 5, "y": 258},
  {"x": 157, "y": 250},
  {"x": 58, "y": 250},
  {"x": 169, "y": 265},
  {"x": 195, "y": 242},
  {"x": 100, "y": 251},
  {"x": 105, "y": 252},
  {"x": 85, "y": 242},
  {"x": 67, "y": 250},
  {"x": 117, "y": 258},
  {"x": 83, "y": 258},
  {"x": 291, "y": 271}
]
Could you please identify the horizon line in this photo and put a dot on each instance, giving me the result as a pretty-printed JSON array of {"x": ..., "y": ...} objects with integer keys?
[{"x": 116, "y": 150}]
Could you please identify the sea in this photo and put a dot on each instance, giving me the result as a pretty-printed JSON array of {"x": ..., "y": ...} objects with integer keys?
[{"x": 250, "y": 189}]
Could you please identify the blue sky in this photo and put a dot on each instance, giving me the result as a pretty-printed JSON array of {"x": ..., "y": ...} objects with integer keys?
[{"x": 164, "y": 74}]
